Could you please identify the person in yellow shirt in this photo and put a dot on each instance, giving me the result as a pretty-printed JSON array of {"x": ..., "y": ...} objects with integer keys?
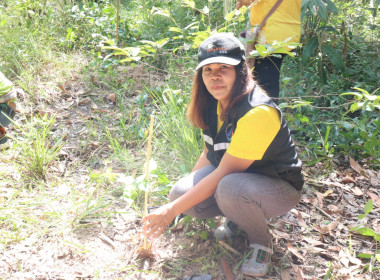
[
  {"x": 283, "y": 24},
  {"x": 7, "y": 108},
  {"x": 249, "y": 169}
]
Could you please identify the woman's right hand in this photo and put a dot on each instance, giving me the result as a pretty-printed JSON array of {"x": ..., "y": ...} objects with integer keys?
[{"x": 158, "y": 221}]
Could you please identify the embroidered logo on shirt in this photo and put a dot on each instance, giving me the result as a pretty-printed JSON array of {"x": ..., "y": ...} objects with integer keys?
[{"x": 229, "y": 131}]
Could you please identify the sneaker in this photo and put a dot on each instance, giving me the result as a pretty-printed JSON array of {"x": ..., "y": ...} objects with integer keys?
[
  {"x": 257, "y": 264},
  {"x": 227, "y": 230}
]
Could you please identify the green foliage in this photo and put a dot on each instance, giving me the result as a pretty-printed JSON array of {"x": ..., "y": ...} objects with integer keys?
[
  {"x": 134, "y": 189},
  {"x": 89, "y": 23},
  {"x": 172, "y": 28},
  {"x": 90, "y": 207},
  {"x": 181, "y": 139},
  {"x": 275, "y": 49},
  {"x": 316, "y": 15},
  {"x": 334, "y": 33},
  {"x": 362, "y": 229},
  {"x": 38, "y": 38},
  {"x": 363, "y": 101},
  {"x": 366, "y": 231},
  {"x": 38, "y": 148}
]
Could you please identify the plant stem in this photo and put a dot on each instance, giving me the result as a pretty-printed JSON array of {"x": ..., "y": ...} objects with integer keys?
[{"x": 149, "y": 150}]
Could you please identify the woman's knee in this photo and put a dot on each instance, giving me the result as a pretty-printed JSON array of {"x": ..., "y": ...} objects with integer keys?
[
  {"x": 177, "y": 191},
  {"x": 224, "y": 191},
  {"x": 186, "y": 183}
]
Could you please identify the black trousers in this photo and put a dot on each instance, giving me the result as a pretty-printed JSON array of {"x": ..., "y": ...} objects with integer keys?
[
  {"x": 6, "y": 113},
  {"x": 267, "y": 75}
]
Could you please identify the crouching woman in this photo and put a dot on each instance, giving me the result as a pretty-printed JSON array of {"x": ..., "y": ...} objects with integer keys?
[{"x": 249, "y": 170}]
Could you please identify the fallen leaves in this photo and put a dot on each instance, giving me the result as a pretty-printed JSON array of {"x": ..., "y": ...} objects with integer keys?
[
  {"x": 295, "y": 252},
  {"x": 329, "y": 227},
  {"x": 112, "y": 97},
  {"x": 85, "y": 101},
  {"x": 371, "y": 175}
]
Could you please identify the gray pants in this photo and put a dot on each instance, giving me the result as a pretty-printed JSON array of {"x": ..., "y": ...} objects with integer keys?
[{"x": 247, "y": 199}]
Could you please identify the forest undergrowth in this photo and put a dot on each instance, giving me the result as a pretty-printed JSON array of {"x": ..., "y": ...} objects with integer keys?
[{"x": 88, "y": 78}]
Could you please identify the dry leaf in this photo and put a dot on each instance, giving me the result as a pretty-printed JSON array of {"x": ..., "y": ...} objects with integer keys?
[
  {"x": 320, "y": 199},
  {"x": 300, "y": 274},
  {"x": 374, "y": 179},
  {"x": 285, "y": 275},
  {"x": 327, "y": 193},
  {"x": 331, "y": 226},
  {"x": 62, "y": 88},
  {"x": 346, "y": 257},
  {"x": 295, "y": 252},
  {"x": 227, "y": 270},
  {"x": 80, "y": 92},
  {"x": 357, "y": 191},
  {"x": 345, "y": 261},
  {"x": 301, "y": 221},
  {"x": 280, "y": 234},
  {"x": 335, "y": 184},
  {"x": 312, "y": 241},
  {"x": 357, "y": 167},
  {"x": 348, "y": 180},
  {"x": 299, "y": 271},
  {"x": 67, "y": 105},
  {"x": 85, "y": 101},
  {"x": 334, "y": 248},
  {"x": 354, "y": 260},
  {"x": 112, "y": 97},
  {"x": 335, "y": 209},
  {"x": 375, "y": 198}
]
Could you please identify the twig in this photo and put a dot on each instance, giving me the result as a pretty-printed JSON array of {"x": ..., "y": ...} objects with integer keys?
[
  {"x": 117, "y": 20},
  {"x": 149, "y": 150},
  {"x": 324, "y": 212},
  {"x": 326, "y": 183},
  {"x": 225, "y": 245},
  {"x": 107, "y": 240},
  {"x": 132, "y": 254}
]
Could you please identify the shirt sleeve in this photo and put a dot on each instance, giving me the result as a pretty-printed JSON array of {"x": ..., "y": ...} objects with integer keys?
[
  {"x": 5, "y": 85},
  {"x": 254, "y": 133}
]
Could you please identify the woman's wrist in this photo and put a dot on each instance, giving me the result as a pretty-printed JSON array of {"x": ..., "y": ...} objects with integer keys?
[{"x": 173, "y": 209}]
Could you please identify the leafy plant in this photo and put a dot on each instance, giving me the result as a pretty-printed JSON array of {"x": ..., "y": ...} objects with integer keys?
[
  {"x": 364, "y": 130},
  {"x": 363, "y": 100},
  {"x": 275, "y": 49},
  {"x": 91, "y": 206},
  {"x": 366, "y": 231},
  {"x": 316, "y": 15},
  {"x": 38, "y": 147},
  {"x": 362, "y": 229},
  {"x": 186, "y": 145}
]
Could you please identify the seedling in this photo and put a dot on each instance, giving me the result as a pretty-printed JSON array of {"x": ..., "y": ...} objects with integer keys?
[{"x": 145, "y": 251}]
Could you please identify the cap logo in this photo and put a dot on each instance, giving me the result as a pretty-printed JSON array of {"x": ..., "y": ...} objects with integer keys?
[
  {"x": 212, "y": 48},
  {"x": 210, "y": 45}
]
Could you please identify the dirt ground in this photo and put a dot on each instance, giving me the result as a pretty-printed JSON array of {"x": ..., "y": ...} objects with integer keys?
[{"x": 313, "y": 241}]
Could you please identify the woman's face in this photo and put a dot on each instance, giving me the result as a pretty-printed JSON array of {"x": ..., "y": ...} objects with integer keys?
[{"x": 219, "y": 79}]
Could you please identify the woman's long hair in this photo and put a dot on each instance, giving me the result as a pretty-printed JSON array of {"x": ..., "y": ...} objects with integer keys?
[{"x": 202, "y": 100}]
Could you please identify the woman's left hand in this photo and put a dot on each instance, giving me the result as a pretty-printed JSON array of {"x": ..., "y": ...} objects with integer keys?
[{"x": 158, "y": 221}]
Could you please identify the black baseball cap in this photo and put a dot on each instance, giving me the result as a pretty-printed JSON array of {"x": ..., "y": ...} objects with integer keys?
[{"x": 221, "y": 48}]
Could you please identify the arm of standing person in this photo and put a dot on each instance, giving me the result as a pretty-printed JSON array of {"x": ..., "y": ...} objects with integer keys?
[
  {"x": 157, "y": 222},
  {"x": 241, "y": 3}
]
